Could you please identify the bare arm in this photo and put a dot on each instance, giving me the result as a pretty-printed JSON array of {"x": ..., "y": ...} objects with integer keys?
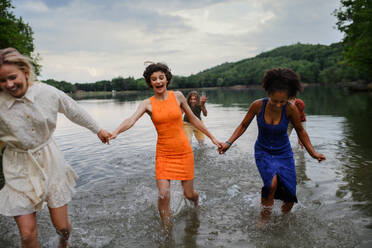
[
  {"x": 294, "y": 116},
  {"x": 192, "y": 118},
  {"x": 252, "y": 112},
  {"x": 203, "y": 100},
  {"x": 78, "y": 115},
  {"x": 144, "y": 106}
]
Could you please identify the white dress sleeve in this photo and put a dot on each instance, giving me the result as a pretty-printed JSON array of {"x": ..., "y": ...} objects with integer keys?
[{"x": 75, "y": 113}]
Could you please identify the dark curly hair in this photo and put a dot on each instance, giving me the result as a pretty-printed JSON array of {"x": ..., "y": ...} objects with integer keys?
[
  {"x": 282, "y": 79},
  {"x": 155, "y": 67}
]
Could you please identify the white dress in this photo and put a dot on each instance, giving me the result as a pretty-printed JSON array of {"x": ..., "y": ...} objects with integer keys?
[{"x": 34, "y": 168}]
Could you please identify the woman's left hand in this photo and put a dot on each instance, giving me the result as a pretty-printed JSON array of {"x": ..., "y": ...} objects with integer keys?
[{"x": 320, "y": 157}]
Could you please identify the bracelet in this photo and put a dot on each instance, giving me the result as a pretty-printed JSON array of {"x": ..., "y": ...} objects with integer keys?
[{"x": 227, "y": 142}]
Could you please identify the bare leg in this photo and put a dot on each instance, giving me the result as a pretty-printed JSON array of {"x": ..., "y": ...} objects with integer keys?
[
  {"x": 189, "y": 192},
  {"x": 286, "y": 207},
  {"x": 59, "y": 217},
  {"x": 164, "y": 202},
  {"x": 268, "y": 203},
  {"x": 28, "y": 230}
]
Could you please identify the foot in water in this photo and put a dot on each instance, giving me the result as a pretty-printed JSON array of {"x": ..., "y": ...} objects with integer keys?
[{"x": 261, "y": 223}]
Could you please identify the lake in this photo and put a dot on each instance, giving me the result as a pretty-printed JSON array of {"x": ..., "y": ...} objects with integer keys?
[{"x": 116, "y": 200}]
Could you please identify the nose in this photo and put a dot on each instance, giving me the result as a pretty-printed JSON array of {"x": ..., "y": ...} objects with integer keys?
[{"x": 9, "y": 83}]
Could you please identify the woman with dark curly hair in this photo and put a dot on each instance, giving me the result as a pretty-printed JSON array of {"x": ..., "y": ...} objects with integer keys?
[
  {"x": 174, "y": 156},
  {"x": 273, "y": 152}
]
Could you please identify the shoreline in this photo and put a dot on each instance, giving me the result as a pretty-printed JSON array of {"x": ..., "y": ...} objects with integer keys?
[{"x": 80, "y": 93}]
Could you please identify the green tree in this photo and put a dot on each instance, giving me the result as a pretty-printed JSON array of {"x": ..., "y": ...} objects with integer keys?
[
  {"x": 14, "y": 32},
  {"x": 355, "y": 20},
  {"x": 118, "y": 83},
  {"x": 62, "y": 85}
]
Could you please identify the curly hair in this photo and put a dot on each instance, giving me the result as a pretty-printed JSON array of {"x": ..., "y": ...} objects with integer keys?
[
  {"x": 10, "y": 56},
  {"x": 282, "y": 79},
  {"x": 155, "y": 67},
  {"x": 193, "y": 93}
]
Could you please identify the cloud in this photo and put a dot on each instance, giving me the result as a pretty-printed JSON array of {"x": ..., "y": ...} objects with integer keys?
[
  {"x": 87, "y": 41},
  {"x": 36, "y": 7}
]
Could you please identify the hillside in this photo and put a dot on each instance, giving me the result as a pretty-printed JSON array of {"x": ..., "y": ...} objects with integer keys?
[{"x": 315, "y": 64}]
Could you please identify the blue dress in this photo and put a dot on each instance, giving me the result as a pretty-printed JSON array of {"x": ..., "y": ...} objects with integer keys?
[{"x": 273, "y": 154}]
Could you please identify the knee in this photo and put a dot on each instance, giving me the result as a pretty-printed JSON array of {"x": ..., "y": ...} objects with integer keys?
[
  {"x": 29, "y": 236},
  {"x": 190, "y": 195},
  {"x": 164, "y": 195},
  {"x": 273, "y": 187},
  {"x": 274, "y": 184}
]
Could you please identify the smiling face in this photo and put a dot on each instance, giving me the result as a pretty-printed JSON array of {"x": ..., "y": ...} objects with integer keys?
[
  {"x": 278, "y": 99},
  {"x": 13, "y": 80},
  {"x": 193, "y": 100},
  {"x": 159, "y": 82}
]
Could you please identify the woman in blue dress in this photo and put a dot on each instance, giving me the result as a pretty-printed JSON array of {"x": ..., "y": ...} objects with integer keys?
[{"x": 273, "y": 152}]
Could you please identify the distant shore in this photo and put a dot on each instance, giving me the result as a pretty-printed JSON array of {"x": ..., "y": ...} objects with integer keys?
[
  {"x": 352, "y": 86},
  {"x": 359, "y": 87}
]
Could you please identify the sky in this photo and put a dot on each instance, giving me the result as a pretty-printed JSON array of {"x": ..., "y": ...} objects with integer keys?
[{"x": 91, "y": 40}]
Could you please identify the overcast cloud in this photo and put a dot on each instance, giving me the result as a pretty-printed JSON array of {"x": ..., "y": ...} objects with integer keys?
[{"x": 91, "y": 40}]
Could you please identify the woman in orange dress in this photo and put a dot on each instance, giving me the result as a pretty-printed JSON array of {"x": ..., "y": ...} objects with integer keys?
[{"x": 174, "y": 156}]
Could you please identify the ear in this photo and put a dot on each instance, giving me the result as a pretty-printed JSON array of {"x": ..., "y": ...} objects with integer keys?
[{"x": 27, "y": 75}]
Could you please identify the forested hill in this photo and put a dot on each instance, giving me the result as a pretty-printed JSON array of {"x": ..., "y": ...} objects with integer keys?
[{"x": 315, "y": 64}]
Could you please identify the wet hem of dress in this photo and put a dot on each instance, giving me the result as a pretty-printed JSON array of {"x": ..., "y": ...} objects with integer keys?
[{"x": 177, "y": 179}]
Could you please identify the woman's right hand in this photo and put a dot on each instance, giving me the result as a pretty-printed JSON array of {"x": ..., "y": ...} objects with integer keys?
[
  {"x": 203, "y": 99},
  {"x": 224, "y": 147}
]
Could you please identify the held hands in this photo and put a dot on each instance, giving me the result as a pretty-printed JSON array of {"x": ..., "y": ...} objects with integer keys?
[
  {"x": 104, "y": 136},
  {"x": 224, "y": 147}
]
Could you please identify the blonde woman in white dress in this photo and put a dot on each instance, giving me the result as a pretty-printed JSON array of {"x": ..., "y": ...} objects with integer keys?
[{"x": 35, "y": 171}]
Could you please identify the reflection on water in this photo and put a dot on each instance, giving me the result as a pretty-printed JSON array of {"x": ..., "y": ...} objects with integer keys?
[{"x": 116, "y": 203}]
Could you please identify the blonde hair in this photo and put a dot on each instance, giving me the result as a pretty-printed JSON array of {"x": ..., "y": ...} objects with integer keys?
[{"x": 10, "y": 56}]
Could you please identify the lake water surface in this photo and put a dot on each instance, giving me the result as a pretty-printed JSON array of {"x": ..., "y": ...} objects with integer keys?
[{"x": 116, "y": 200}]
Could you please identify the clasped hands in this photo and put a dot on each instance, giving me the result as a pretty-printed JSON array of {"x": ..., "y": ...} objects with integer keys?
[
  {"x": 222, "y": 146},
  {"x": 106, "y": 136}
]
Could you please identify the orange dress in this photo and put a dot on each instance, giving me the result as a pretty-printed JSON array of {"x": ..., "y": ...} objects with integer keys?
[{"x": 174, "y": 157}]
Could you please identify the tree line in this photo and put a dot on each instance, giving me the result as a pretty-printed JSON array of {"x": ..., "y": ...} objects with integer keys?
[{"x": 315, "y": 64}]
